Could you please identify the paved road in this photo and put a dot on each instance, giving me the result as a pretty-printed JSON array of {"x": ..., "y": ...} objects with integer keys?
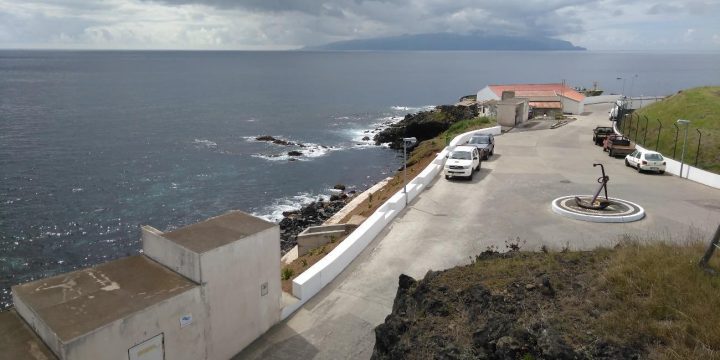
[{"x": 453, "y": 220}]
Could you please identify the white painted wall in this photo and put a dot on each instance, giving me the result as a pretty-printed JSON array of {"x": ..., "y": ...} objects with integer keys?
[
  {"x": 689, "y": 172},
  {"x": 310, "y": 282},
  {"x": 231, "y": 279},
  {"x": 486, "y": 94}
]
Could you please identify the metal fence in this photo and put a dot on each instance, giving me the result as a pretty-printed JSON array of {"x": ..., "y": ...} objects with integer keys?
[{"x": 666, "y": 139}]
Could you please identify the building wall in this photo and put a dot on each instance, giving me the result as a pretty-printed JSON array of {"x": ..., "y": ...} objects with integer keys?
[
  {"x": 232, "y": 276},
  {"x": 512, "y": 114},
  {"x": 114, "y": 340},
  {"x": 571, "y": 106},
  {"x": 486, "y": 94},
  {"x": 170, "y": 254}
]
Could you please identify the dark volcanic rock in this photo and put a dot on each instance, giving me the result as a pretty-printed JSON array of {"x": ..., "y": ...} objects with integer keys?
[
  {"x": 431, "y": 320},
  {"x": 294, "y": 153},
  {"x": 313, "y": 214},
  {"x": 425, "y": 124}
]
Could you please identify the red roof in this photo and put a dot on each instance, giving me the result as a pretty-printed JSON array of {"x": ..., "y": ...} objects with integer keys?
[{"x": 558, "y": 90}]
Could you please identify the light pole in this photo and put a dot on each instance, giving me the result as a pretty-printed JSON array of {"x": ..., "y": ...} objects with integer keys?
[
  {"x": 406, "y": 141},
  {"x": 623, "y": 86},
  {"x": 682, "y": 154},
  {"x": 632, "y": 84}
]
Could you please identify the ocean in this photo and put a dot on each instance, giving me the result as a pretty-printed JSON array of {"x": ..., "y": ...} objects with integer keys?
[{"x": 94, "y": 144}]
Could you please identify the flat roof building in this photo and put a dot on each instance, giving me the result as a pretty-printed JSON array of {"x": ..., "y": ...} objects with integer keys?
[{"x": 204, "y": 291}]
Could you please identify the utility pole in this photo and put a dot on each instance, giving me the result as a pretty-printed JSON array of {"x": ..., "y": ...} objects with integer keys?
[{"x": 682, "y": 154}]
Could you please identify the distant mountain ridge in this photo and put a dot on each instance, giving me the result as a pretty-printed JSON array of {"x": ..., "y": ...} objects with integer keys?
[{"x": 450, "y": 42}]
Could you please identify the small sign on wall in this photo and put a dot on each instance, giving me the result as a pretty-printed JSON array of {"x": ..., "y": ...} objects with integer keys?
[{"x": 185, "y": 320}]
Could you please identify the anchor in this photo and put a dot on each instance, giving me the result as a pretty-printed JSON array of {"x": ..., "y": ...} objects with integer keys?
[{"x": 596, "y": 204}]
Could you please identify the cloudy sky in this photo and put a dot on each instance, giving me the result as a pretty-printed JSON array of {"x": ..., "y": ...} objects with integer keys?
[{"x": 288, "y": 24}]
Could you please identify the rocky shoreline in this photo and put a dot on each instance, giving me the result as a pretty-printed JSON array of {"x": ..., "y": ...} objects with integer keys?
[{"x": 312, "y": 214}]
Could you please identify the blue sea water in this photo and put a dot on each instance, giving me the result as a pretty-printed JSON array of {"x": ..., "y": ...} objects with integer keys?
[{"x": 94, "y": 144}]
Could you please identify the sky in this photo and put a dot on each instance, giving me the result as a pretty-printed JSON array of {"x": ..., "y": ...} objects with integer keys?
[{"x": 692, "y": 25}]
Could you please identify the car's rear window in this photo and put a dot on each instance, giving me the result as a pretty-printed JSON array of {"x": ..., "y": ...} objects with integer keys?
[
  {"x": 653, "y": 157},
  {"x": 480, "y": 140},
  {"x": 460, "y": 155}
]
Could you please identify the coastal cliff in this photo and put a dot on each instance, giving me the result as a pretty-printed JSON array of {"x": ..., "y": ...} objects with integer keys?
[{"x": 425, "y": 124}]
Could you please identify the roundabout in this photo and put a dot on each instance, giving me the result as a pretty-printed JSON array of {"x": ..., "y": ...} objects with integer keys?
[{"x": 616, "y": 211}]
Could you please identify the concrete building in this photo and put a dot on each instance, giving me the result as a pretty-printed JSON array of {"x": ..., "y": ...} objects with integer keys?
[
  {"x": 204, "y": 291},
  {"x": 543, "y": 99},
  {"x": 511, "y": 111}
]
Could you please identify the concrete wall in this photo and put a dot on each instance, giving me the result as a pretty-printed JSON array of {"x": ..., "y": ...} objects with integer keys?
[
  {"x": 232, "y": 276},
  {"x": 688, "y": 172},
  {"x": 113, "y": 340},
  {"x": 572, "y": 106},
  {"x": 510, "y": 115},
  {"x": 170, "y": 254},
  {"x": 601, "y": 99},
  {"x": 310, "y": 282}
]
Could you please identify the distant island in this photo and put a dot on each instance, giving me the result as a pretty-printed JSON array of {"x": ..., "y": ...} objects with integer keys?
[{"x": 450, "y": 42}]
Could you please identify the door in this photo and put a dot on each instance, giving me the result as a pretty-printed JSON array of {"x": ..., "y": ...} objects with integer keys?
[{"x": 151, "y": 349}]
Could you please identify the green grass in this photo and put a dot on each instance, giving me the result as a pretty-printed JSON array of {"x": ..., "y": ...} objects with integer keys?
[
  {"x": 657, "y": 294},
  {"x": 435, "y": 145},
  {"x": 699, "y": 105}
]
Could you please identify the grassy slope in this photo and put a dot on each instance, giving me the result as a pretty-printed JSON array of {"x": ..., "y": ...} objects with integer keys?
[
  {"x": 647, "y": 295},
  {"x": 699, "y": 105}
]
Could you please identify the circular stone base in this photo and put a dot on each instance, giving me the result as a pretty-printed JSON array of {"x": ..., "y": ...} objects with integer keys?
[{"x": 619, "y": 210}]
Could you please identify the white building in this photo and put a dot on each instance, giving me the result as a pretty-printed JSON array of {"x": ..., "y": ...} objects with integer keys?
[{"x": 543, "y": 99}]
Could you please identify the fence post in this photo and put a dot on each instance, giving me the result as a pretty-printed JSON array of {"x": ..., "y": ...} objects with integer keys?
[
  {"x": 708, "y": 254},
  {"x": 637, "y": 127},
  {"x": 646, "y": 127},
  {"x": 677, "y": 130},
  {"x": 697, "y": 152},
  {"x": 657, "y": 142}
]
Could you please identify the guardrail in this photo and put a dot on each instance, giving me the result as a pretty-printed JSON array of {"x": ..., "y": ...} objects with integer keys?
[
  {"x": 316, "y": 277},
  {"x": 689, "y": 172}
]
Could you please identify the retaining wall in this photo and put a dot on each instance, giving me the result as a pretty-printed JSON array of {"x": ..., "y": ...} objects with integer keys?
[
  {"x": 310, "y": 282},
  {"x": 688, "y": 172}
]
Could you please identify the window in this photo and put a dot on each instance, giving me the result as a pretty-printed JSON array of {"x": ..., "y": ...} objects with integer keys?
[
  {"x": 460, "y": 155},
  {"x": 653, "y": 157}
]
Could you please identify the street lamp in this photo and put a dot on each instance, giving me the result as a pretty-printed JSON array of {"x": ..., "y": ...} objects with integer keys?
[
  {"x": 682, "y": 154},
  {"x": 406, "y": 141},
  {"x": 623, "y": 86}
]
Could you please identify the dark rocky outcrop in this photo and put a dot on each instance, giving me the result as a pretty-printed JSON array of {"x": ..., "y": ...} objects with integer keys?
[
  {"x": 437, "y": 319},
  {"x": 276, "y": 141},
  {"x": 294, "y": 153},
  {"x": 425, "y": 124},
  {"x": 313, "y": 214}
]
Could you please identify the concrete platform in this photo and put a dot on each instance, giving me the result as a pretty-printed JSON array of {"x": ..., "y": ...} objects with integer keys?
[
  {"x": 18, "y": 341},
  {"x": 79, "y": 302}
]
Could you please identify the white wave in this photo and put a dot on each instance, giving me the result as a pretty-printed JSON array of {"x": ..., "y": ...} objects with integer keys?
[
  {"x": 274, "y": 211},
  {"x": 78, "y": 189},
  {"x": 309, "y": 151},
  {"x": 206, "y": 144},
  {"x": 413, "y": 109}
]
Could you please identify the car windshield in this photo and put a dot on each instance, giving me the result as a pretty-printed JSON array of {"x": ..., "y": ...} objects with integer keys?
[
  {"x": 461, "y": 155},
  {"x": 653, "y": 157},
  {"x": 480, "y": 140}
]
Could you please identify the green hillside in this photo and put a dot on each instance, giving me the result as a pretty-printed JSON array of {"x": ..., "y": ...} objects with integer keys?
[{"x": 699, "y": 105}]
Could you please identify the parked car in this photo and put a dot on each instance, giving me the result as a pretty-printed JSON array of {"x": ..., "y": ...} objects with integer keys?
[
  {"x": 600, "y": 133},
  {"x": 463, "y": 161},
  {"x": 618, "y": 146},
  {"x": 485, "y": 143},
  {"x": 646, "y": 161}
]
